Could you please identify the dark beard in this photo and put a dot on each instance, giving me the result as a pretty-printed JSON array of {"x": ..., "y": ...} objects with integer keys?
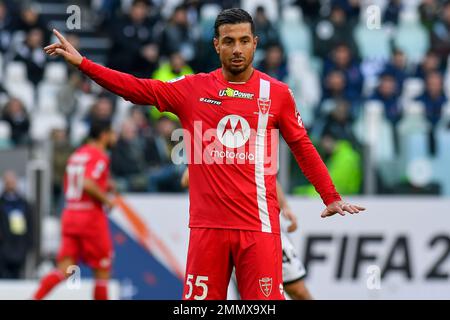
[{"x": 238, "y": 71}]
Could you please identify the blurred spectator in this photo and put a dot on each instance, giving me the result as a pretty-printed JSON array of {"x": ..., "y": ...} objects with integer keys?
[
  {"x": 7, "y": 27},
  {"x": 103, "y": 109},
  {"x": 62, "y": 150},
  {"x": 398, "y": 68},
  {"x": 432, "y": 62},
  {"x": 106, "y": 11},
  {"x": 344, "y": 165},
  {"x": 274, "y": 62},
  {"x": 127, "y": 159},
  {"x": 177, "y": 36},
  {"x": 174, "y": 68},
  {"x": 387, "y": 93},
  {"x": 16, "y": 115},
  {"x": 310, "y": 9},
  {"x": 338, "y": 124},
  {"x": 135, "y": 49},
  {"x": 31, "y": 53},
  {"x": 164, "y": 175},
  {"x": 343, "y": 60},
  {"x": 440, "y": 35},
  {"x": 429, "y": 13},
  {"x": 433, "y": 98},
  {"x": 193, "y": 8},
  {"x": 392, "y": 12},
  {"x": 138, "y": 115},
  {"x": 68, "y": 95},
  {"x": 352, "y": 8},
  {"x": 16, "y": 229},
  {"x": 333, "y": 30},
  {"x": 264, "y": 29},
  {"x": 30, "y": 19},
  {"x": 334, "y": 86}
]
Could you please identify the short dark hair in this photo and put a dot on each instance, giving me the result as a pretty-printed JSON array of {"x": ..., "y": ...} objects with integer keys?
[
  {"x": 98, "y": 127},
  {"x": 233, "y": 16}
]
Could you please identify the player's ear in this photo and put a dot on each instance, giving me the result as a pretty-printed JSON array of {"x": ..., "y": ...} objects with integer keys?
[
  {"x": 216, "y": 44},
  {"x": 255, "y": 42}
]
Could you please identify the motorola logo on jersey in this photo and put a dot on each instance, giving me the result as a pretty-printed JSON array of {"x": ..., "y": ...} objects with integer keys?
[{"x": 233, "y": 131}]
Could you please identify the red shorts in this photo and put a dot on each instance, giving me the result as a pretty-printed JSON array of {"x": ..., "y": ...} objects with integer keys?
[
  {"x": 212, "y": 253},
  {"x": 93, "y": 249}
]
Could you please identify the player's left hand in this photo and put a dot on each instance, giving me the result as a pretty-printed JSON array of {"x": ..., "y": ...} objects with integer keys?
[
  {"x": 288, "y": 214},
  {"x": 341, "y": 207}
]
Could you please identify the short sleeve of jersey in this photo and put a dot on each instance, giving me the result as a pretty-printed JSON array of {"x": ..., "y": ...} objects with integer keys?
[
  {"x": 290, "y": 122},
  {"x": 173, "y": 95}
]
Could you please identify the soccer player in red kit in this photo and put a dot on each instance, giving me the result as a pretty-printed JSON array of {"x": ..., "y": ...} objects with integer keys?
[
  {"x": 85, "y": 230},
  {"x": 229, "y": 117}
]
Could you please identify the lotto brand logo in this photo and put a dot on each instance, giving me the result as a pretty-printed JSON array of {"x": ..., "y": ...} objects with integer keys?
[
  {"x": 233, "y": 131},
  {"x": 228, "y": 92},
  {"x": 211, "y": 101},
  {"x": 265, "y": 285}
]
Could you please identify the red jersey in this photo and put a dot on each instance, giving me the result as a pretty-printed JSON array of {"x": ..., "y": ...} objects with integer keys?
[
  {"x": 82, "y": 212},
  {"x": 230, "y": 132}
]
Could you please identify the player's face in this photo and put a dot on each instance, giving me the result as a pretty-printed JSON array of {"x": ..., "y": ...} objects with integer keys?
[{"x": 236, "y": 46}]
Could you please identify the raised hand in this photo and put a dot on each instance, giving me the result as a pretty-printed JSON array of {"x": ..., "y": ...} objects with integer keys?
[
  {"x": 64, "y": 49},
  {"x": 340, "y": 207}
]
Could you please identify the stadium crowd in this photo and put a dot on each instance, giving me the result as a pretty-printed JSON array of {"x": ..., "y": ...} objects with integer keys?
[{"x": 334, "y": 63}]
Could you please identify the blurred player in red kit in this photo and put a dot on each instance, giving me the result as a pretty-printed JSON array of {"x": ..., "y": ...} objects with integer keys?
[
  {"x": 229, "y": 117},
  {"x": 85, "y": 230}
]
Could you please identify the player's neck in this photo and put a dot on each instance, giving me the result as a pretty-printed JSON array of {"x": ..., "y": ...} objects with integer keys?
[
  {"x": 98, "y": 145},
  {"x": 241, "y": 77}
]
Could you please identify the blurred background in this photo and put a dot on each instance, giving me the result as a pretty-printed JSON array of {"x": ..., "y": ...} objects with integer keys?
[{"x": 370, "y": 78}]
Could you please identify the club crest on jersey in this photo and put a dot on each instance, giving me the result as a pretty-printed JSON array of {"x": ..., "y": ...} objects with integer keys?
[
  {"x": 266, "y": 286},
  {"x": 264, "y": 105},
  {"x": 299, "y": 118},
  {"x": 228, "y": 92}
]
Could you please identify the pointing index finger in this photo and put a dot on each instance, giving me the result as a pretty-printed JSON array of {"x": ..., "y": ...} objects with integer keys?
[{"x": 60, "y": 36}]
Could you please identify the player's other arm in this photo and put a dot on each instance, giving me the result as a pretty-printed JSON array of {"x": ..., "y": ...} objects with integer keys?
[
  {"x": 91, "y": 188},
  {"x": 310, "y": 162},
  {"x": 286, "y": 209},
  {"x": 138, "y": 91}
]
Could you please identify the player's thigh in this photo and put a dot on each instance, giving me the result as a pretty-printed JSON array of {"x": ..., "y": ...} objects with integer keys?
[
  {"x": 97, "y": 250},
  {"x": 208, "y": 266},
  {"x": 69, "y": 252},
  {"x": 258, "y": 266}
]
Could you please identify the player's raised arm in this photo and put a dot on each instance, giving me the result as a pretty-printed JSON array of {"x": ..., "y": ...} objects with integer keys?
[
  {"x": 166, "y": 96},
  {"x": 309, "y": 160}
]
